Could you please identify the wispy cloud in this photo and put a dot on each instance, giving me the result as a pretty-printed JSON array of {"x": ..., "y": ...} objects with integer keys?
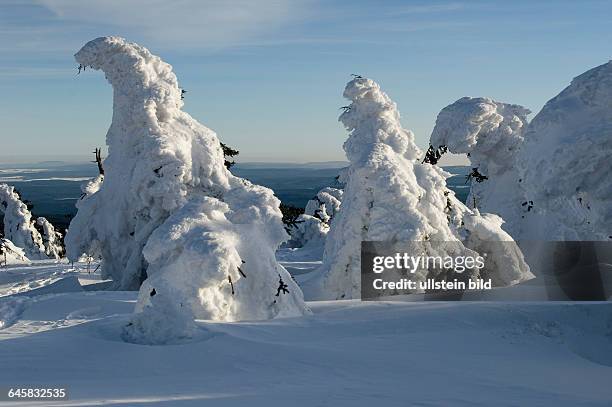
[{"x": 182, "y": 24}]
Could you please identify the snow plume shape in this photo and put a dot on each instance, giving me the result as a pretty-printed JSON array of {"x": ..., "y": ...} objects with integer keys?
[
  {"x": 167, "y": 194},
  {"x": 391, "y": 196},
  {"x": 491, "y": 133},
  {"x": 18, "y": 224},
  {"x": 311, "y": 228},
  {"x": 565, "y": 162},
  {"x": 52, "y": 239}
]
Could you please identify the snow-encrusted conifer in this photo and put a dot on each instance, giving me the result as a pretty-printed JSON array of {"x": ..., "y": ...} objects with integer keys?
[
  {"x": 491, "y": 134},
  {"x": 52, "y": 239},
  {"x": 169, "y": 213},
  {"x": 325, "y": 204},
  {"x": 18, "y": 224},
  {"x": 311, "y": 227},
  {"x": 549, "y": 179},
  {"x": 565, "y": 162},
  {"x": 11, "y": 254},
  {"x": 390, "y": 195}
]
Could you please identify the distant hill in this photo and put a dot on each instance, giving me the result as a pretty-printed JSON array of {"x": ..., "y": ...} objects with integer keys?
[{"x": 311, "y": 165}]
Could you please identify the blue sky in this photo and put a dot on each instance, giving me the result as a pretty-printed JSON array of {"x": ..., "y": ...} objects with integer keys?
[{"x": 268, "y": 76}]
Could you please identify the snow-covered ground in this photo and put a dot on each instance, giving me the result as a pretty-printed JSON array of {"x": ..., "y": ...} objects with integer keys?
[{"x": 347, "y": 353}]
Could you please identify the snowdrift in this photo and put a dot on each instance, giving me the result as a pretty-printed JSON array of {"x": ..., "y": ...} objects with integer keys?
[
  {"x": 170, "y": 214},
  {"x": 391, "y": 195}
]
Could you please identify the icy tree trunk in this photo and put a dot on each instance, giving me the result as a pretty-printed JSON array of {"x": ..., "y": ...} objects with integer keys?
[
  {"x": 18, "y": 225},
  {"x": 491, "y": 134},
  {"x": 390, "y": 195},
  {"x": 169, "y": 213}
]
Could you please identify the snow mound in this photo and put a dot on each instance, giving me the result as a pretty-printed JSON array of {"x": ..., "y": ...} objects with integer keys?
[
  {"x": 18, "y": 224},
  {"x": 565, "y": 162},
  {"x": 166, "y": 190},
  {"x": 10, "y": 310},
  {"x": 390, "y": 195}
]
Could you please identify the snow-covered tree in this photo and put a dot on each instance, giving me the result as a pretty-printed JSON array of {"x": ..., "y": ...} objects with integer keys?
[
  {"x": 311, "y": 227},
  {"x": 490, "y": 133},
  {"x": 565, "y": 162},
  {"x": 169, "y": 213},
  {"x": 86, "y": 209},
  {"x": 52, "y": 239},
  {"x": 325, "y": 204},
  {"x": 548, "y": 179},
  {"x": 390, "y": 195},
  {"x": 11, "y": 254},
  {"x": 19, "y": 227}
]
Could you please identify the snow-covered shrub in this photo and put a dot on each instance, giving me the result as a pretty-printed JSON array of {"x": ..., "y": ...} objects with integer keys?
[
  {"x": 390, "y": 195},
  {"x": 11, "y": 254},
  {"x": 325, "y": 204},
  {"x": 565, "y": 162},
  {"x": 169, "y": 213},
  {"x": 310, "y": 228},
  {"x": 18, "y": 224},
  {"x": 308, "y": 231},
  {"x": 52, "y": 239},
  {"x": 490, "y": 133}
]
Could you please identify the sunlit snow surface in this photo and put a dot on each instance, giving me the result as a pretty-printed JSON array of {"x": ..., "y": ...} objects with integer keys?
[{"x": 348, "y": 353}]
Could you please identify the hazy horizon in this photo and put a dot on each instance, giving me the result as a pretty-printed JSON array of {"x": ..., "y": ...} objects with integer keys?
[{"x": 447, "y": 160}]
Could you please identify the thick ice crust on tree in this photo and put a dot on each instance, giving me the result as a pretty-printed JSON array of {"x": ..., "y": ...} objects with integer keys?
[
  {"x": 162, "y": 168},
  {"x": 491, "y": 133},
  {"x": 52, "y": 239},
  {"x": 390, "y": 195},
  {"x": 325, "y": 204},
  {"x": 548, "y": 179},
  {"x": 11, "y": 254},
  {"x": 311, "y": 228},
  {"x": 565, "y": 162},
  {"x": 18, "y": 224}
]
